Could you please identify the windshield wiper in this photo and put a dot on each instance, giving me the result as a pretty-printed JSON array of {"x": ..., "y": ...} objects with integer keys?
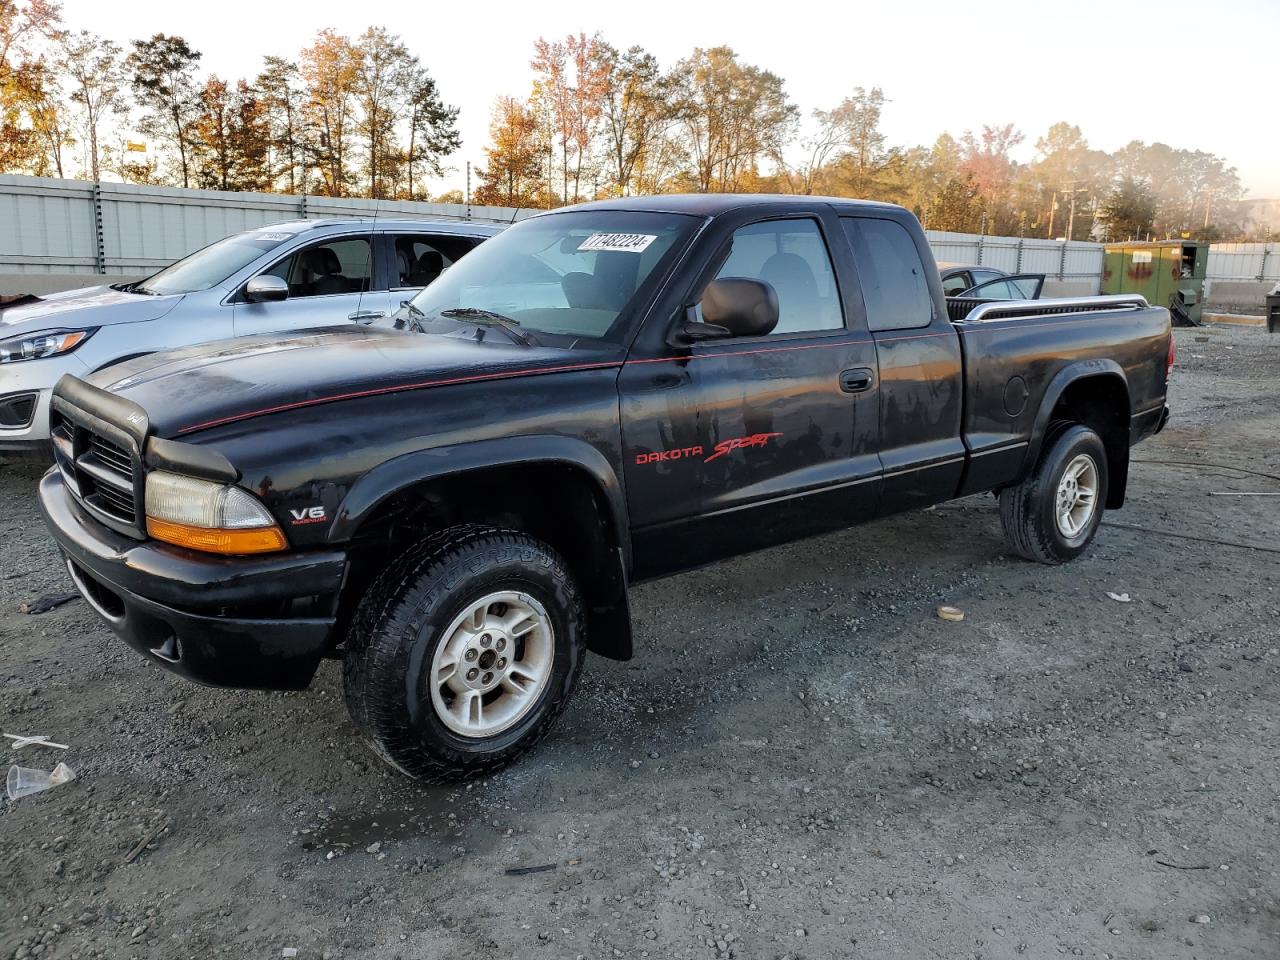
[
  {"x": 491, "y": 319},
  {"x": 414, "y": 312}
]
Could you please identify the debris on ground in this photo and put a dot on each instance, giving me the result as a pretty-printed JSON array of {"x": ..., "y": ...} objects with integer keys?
[
  {"x": 523, "y": 871},
  {"x": 24, "y": 781},
  {"x": 954, "y": 614},
  {"x": 136, "y": 850},
  {"x": 1120, "y": 597},
  {"x": 40, "y": 741},
  {"x": 46, "y": 603}
]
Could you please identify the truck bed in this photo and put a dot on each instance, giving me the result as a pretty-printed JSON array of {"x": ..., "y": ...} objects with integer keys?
[{"x": 1014, "y": 349}]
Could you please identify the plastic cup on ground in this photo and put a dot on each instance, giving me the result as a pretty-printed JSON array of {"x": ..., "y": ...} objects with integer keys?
[{"x": 24, "y": 781}]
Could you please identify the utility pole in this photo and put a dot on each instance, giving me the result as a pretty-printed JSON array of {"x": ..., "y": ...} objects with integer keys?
[{"x": 1071, "y": 219}]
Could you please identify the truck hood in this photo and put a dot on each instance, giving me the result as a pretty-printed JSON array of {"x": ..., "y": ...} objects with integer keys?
[
  {"x": 79, "y": 309},
  {"x": 212, "y": 384}
]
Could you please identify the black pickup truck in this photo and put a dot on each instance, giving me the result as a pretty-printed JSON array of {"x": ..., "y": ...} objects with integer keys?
[{"x": 455, "y": 503}]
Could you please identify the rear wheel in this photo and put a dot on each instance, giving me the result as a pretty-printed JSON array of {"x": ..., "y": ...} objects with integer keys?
[
  {"x": 1052, "y": 516},
  {"x": 464, "y": 653}
]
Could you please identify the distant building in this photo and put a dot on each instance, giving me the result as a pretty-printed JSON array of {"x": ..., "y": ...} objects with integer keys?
[{"x": 1261, "y": 216}]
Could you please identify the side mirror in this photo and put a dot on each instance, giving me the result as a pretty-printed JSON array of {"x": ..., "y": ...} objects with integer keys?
[
  {"x": 266, "y": 288},
  {"x": 746, "y": 308}
]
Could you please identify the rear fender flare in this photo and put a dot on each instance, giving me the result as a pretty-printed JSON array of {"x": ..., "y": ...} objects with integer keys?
[{"x": 1064, "y": 378}]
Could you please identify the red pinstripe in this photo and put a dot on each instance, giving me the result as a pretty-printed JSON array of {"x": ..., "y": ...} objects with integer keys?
[{"x": 510, "y": 374}]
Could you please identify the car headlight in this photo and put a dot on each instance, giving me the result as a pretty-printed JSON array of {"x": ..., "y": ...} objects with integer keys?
[
  {"x": 47, "y": 343},
  {"x": 208, "y": 516}
]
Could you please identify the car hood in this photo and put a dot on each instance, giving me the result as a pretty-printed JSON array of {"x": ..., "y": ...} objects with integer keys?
[
  {"x": 213, "y": 384},
  {"x": 78, "y": 309}
]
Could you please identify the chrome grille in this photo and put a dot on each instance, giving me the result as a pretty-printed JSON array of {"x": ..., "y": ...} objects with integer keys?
[{"x": 103, "y": 475}]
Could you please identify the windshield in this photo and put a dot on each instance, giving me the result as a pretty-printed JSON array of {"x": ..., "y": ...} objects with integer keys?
[
  {"x": 577, "y": 274},
  {"x": 209, "y": 267}
]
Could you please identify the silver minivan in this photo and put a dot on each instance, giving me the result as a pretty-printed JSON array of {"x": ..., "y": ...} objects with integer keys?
[{"x": 275, "y": 279}]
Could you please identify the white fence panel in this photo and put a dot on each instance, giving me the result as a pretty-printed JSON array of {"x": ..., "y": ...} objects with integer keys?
[
  {"x": 1077, "y": 261},
  {"x": 1244, "y": 261},
  {"x": 52, "y": 226},
  {"x": 63, "y": 227},
  {"x": 46, "y": 226}
]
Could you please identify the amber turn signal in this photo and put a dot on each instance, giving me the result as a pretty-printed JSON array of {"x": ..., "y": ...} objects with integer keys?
[{"x": 214, "y": 540}]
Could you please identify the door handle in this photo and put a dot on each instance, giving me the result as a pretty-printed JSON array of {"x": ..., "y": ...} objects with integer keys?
[
  {"x": 364, "y": 316},
  {"x": 858, "y": 380}
]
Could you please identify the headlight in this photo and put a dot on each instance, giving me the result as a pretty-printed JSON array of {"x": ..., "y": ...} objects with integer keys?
[
  {"x": 213, "y": 517},
  {"x": 35, "y": 346}
]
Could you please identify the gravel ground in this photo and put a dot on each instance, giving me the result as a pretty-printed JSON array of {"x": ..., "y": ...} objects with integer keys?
[{"x": 802, "y": 762}]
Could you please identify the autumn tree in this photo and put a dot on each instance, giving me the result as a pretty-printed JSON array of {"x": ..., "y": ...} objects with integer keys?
[
  {"x": 25, "y": 82},
  {"x": 986, "y": 159},
  {"x": 1185, "y": 185},
  {"x": 817, "y": 148},
  {"x": 732, "y": 116},
  {"x": 634, "y": 113},
  {"x": 382, "y": 66},
  {"x": 570, "y": 83},
  {"x": 22, "y": 94},
  {"x": 282, "y": 98},
  {"x": 433, "y": 127},
  {"x": 329, "y": 68},
  {"x": 97, "y": 81},
  {"x": 513, "y": 174},
  {"x": 231, "y": 137},
  {"x": 20, "y": 24},
  {"x": 1129, "y": 210},
  {"x": 43, "y": 100},
  {"x": 958, "y": 207},
  {"x": 162, "y": 72}
]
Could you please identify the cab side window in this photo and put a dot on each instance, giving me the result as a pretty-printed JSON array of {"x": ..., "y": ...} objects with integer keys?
[
  {"x": 791, "y": 256},
  {"x": 891, "y": 272},
  {"x": 329, "y": 268},
  {"x": 956, "y": 284},
  {"x": 419, "y": 259}
]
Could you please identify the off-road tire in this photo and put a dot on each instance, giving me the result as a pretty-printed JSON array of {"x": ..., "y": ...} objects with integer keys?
[
  {"x": 400, "y": 622},
  {"x": 1027, "y": 511}
]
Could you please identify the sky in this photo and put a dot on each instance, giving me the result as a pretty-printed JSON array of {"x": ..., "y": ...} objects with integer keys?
[{"x": 1199, "y": 75}]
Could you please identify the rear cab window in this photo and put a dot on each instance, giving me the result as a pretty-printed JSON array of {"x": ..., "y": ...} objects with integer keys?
[{"x": 892, "y": 275}]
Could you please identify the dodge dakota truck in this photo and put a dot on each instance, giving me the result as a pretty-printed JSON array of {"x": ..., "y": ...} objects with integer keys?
[{"x": 455, "y": 500}]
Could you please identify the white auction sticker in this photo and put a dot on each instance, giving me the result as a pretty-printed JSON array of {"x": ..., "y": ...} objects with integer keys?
[
  {"x": 621, "y": 242},
  {"x": 273, "y": 237}
]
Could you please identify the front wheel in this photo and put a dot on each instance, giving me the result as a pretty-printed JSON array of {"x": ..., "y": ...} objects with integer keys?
[
  {"x": 464, "y": 652},
  {"x": 1052, "y": 515}
]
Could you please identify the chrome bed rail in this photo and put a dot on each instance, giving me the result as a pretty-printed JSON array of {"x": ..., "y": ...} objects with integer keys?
[{"x": 1054, "y": 306}]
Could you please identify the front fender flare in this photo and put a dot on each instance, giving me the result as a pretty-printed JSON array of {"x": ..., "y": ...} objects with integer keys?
[
  {"x": 400, "y": 473},
  {"x": 608, "y": 619}
]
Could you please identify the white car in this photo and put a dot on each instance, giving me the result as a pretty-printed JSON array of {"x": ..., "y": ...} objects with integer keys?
[{"x": 276, "y": 279}]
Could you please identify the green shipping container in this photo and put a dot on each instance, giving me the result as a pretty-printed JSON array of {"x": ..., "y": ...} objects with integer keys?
[{"x": 1162, "y": 272}]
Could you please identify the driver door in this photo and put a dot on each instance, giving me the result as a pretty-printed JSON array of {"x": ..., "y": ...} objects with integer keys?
[
  {"x": 734, "y": 444},
  {"x": 331, "y": 281}
]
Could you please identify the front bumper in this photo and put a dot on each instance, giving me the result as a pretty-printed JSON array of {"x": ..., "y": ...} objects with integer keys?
[
  {"x": 249, "y": 622},
  {"x": 38, "y": 377}
]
